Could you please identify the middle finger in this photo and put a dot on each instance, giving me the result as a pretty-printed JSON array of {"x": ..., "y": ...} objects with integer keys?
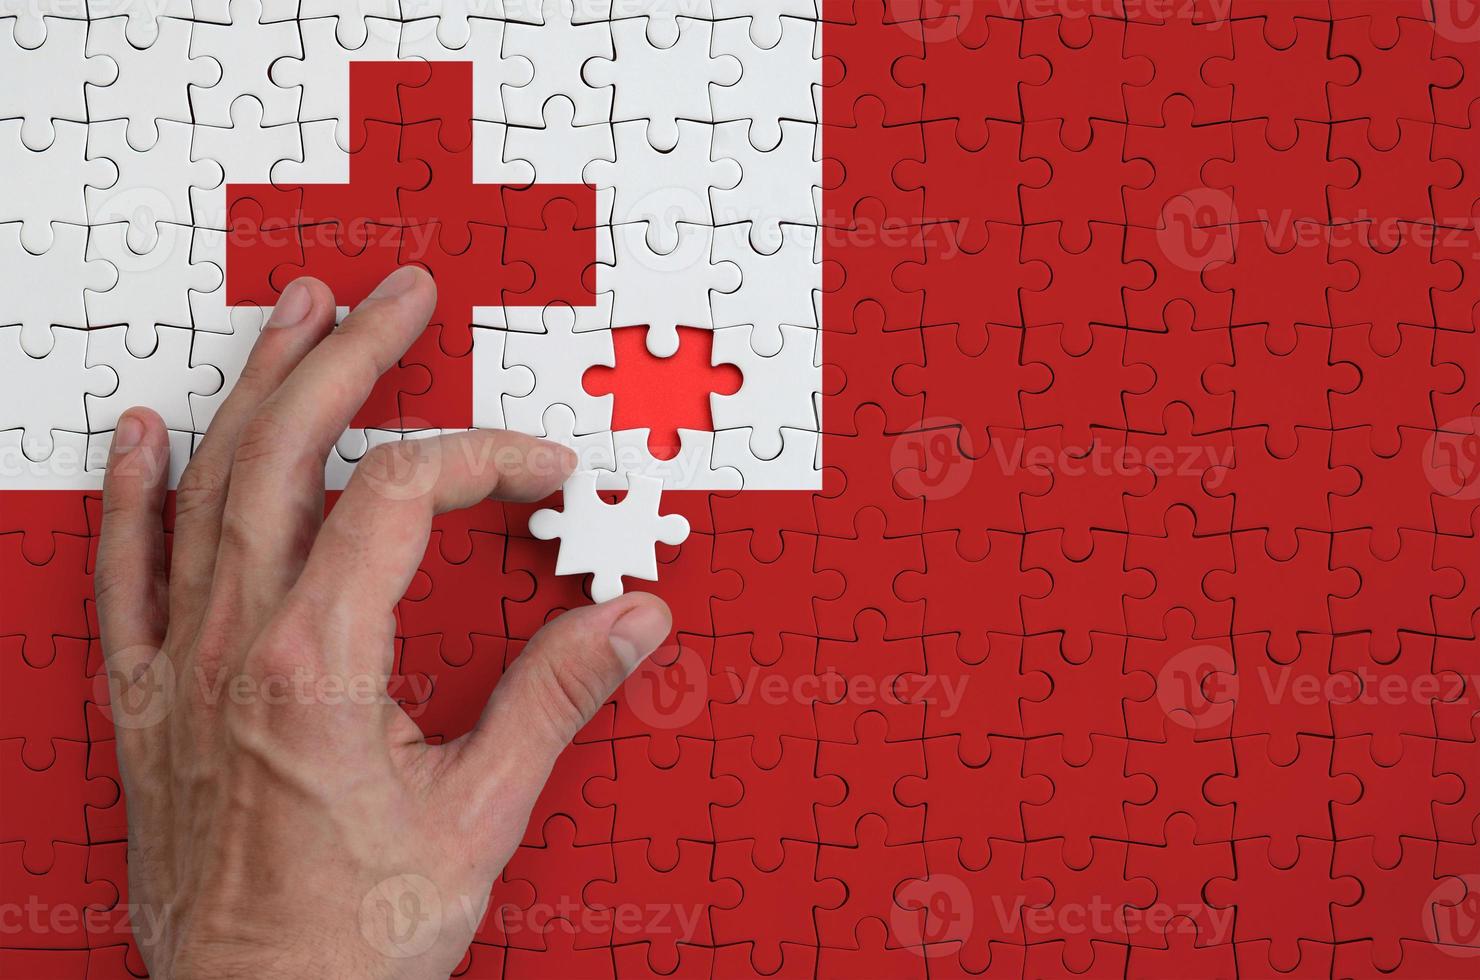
[
  {"x": 304, "y": 313},
  {"x": 275, "y": 503}
]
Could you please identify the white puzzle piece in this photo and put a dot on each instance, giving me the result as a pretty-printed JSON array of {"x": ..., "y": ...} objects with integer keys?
[
  {"x": 767, "y": 19},
  {"x": 493, "y": 381},
  {"x": 357, "y": 21},
  {"x": 558, "y": 46},
  {"x": 49, "y": 82},
  {"x": 661, "y": 189},
  {"x": 661, "y": 17},
  {"x": 778, "y": 389},
  {"x": 609, "y": 540},
  {"x": 557, "y": 359},
  {"x": 40, "y": 396},
  {"x": 661, "y": 85},
  {"x": 153, "y": 81},
  {"x": 776, "y": 290},
  {"x": 49, "y": 185},
  {"x": 246, "y": 152},
  {"x": 47, "y": 290},
  {"x": 795, "y": 467},
  {"x": 245, "y": 46},
  {"x": 664, "y": 291},
  {"x": 145, "y": 22},
  {"x": 770, "y": 195},
  {"x": 558, "y": 150},
  {"x": 777, "y": 82}
]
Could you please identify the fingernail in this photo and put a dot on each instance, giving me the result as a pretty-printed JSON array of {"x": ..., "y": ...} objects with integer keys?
[
  {"x": 638, "y": 633},
  {"x": 127, "y": 435},
  {"x": 292, "y": 306},
  {"x": 396, "y": 283}
]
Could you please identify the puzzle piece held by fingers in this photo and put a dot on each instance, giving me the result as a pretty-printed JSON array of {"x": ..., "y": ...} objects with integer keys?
[{"x": 609, "y": 540}]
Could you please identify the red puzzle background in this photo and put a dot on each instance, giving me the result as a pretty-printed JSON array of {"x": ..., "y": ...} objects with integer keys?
[{"x": 1134, "y": 631}]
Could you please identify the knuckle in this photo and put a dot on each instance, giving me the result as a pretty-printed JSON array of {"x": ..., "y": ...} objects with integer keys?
[
  {"x": 108, "y": 579},
  {"x": 262, "y": 437},
  {"x": 287, "y": 670},
  {"x": 294, "y": 632},
  {"x": 570, "y": 693},
  {"x": 240, "y": 533},
  {"x": 396, "y": 461},
  {"x": 201, "y": 485},
  {"x": 278, "y": 655},
  {"x": 211, "y": 649},
  {"x": 391, "y": 455}
]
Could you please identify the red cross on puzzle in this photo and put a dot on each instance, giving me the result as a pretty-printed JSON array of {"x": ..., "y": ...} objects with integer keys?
[{"x": 411, "y": 198}]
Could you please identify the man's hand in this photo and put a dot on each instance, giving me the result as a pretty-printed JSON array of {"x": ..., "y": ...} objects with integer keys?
[{"x": 286, "y": 817}]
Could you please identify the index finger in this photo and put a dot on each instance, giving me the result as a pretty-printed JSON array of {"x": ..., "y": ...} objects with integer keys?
[
  {"x": 374, "y": 539},
  {"x": 274, "y": 503}
]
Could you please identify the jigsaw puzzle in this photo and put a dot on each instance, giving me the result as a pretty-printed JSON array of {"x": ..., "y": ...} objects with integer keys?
[{"x": 1075, "y": 408}]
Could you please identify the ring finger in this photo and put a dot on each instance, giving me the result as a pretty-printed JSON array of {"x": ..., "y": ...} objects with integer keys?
[{"x": 302, "y": 317}]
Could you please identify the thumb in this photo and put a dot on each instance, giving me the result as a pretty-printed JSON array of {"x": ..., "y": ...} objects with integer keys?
[{"x": 563, "y": 677}]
